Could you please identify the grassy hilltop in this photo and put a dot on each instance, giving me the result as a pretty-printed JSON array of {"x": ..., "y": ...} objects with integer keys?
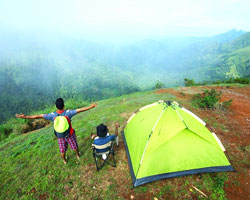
[{"x": 31, "y": 167}]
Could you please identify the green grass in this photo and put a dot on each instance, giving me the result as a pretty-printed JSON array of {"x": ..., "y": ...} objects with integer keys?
[{"x": 31, "y": 167}]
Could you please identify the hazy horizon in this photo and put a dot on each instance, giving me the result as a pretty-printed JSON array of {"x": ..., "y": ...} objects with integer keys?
[
  {"x": 117, "y": 20},
  {"x": 100, "y": 49}
]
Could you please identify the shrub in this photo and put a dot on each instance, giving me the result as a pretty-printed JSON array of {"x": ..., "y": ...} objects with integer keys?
[
  {"x": 189, "y": 82},
  {"x": 242, "y": 80},
  {"x": 207, "y": 99},
  {"x": 218, "y": 82},
  {"x": 210, "y": 99},
  {"x": 5, "y": 131},
  {"x": 159, "y": 85}
]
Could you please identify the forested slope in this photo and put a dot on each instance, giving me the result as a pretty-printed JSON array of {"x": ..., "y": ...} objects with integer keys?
[{"x": 34, "y": 71}]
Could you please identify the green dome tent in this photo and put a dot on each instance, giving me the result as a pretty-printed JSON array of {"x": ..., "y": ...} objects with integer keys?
[{"x": 163, "y": 140}]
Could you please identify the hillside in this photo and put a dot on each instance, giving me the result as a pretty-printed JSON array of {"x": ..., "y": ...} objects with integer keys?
[
  {"x": 37, "y": 68},
  {"x": 31, "y": 167}
]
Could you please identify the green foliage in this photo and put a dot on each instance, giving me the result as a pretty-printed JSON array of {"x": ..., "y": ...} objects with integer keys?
[
  {"x": 159, "y": 85},
  {"x": 5, "y": 131},
  {"x": 189, "y": 82},
  {"x": 207, "y": 99},
  {"x": 218, "y": 187},
  {"x": 210, "y": 99},
  {"x": 32, "y": 78},
  {"x": 214, "y": 184},
  {"x": 33, "y": 88},
  {"x": 12, "y": 127},
  {"x": 240, "y": 80}
]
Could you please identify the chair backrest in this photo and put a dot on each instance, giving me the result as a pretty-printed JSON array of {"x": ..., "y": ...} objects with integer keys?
[{"x": 102, "y": 148}]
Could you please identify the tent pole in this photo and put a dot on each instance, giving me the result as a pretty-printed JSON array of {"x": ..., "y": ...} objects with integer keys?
[{"x": 158, "y": 119}]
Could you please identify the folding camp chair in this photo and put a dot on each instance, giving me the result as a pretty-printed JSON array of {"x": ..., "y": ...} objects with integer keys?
[{"x": 104, "y": 157}]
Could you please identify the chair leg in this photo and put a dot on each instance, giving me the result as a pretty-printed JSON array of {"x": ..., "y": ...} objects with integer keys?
[
  {"x": 97, "y": 168},
  {"x": 112, "y": 163},
  {"x": 103, "y": 163},
  {"x": 113, "y": 154}
]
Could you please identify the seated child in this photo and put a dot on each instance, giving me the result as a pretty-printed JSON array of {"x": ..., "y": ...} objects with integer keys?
[{"x": 103, "y": 137}]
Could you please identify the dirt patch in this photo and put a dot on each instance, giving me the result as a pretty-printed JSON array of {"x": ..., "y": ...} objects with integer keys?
[
  {"x": 34, "y": 125},
  {"x": 239, "y": 124},
  {"x": 43, "y": 196},
  {"x": 126, "y": 115},
  {"x": 180, "y": 93}
]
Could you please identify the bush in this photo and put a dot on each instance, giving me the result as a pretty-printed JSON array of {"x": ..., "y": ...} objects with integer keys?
[
  {"x": 189, "y": 82},
  {"x": 5, "y": 131},
  {"x": 217, "y": 82},
  {"x": 242, "y": 80},
  {"x": 207, "y": 99},
  {"x": 159, "y": 85},
  {"x": 210, "y": 99}
]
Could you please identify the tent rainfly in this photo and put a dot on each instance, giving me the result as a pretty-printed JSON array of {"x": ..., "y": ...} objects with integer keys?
[{"x": 164, "y": 140}]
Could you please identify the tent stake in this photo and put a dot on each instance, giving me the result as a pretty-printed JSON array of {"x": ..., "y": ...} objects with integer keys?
[{"x": 199, "y": 191}]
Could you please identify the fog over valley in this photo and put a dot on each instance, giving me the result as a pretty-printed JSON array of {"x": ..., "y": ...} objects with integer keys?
[{"x": 95, "y": 50}]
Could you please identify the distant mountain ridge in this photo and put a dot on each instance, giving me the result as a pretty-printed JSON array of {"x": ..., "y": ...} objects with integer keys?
[{"x": 35, "y": 70}]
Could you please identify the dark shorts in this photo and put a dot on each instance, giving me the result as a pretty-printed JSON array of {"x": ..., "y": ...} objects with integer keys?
[{"x": 63, "y": 143}]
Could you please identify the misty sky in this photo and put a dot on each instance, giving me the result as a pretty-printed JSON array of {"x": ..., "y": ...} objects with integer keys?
[{"x": 126, "y": 18}]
